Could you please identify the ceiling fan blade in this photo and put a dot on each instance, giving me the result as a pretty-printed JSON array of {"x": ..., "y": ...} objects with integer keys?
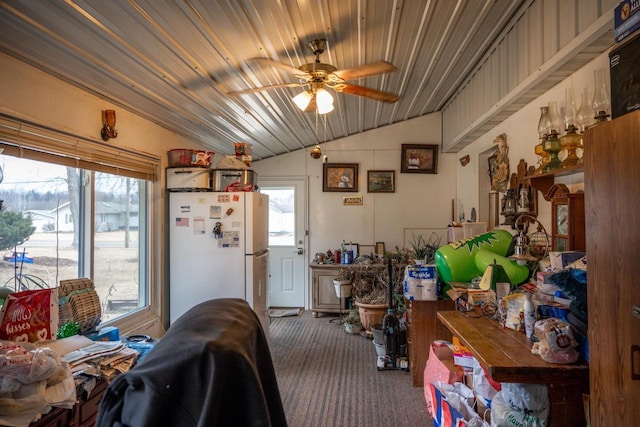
[
  {"x": 368, "y": 93},
  {"x": 272, "y": 63},
  {"x": 258, "y": 89},
  {"x": 372, "y": 69}
]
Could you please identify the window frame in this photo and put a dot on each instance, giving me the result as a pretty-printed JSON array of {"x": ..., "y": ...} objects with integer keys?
[{"x": 22, "y": 139}]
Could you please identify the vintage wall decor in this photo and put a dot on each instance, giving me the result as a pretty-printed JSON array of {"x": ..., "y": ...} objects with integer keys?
[
  {"x": 379, "y": 181},
  {"x": 353, "y": 200},
  {"x": 108, "y": 130},
  {"x": 419, "y": 158},
  {"x": 499, "y": 170},
  {"x": 341, "y": 177}
]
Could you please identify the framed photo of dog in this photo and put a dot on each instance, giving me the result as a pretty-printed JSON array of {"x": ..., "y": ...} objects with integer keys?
[
  {"x": 419, "y": 158},
  {"x": 340, "y": 177}
]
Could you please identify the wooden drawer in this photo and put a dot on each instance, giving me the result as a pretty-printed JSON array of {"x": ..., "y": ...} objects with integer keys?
[{"x": 88, "y": 410}]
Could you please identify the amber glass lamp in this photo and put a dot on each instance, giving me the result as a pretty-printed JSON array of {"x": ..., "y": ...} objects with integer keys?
[
  {"x": 570, "y": 141},
  {"x": 552, "y": 143},
  {"x": 543, "y": 123}
]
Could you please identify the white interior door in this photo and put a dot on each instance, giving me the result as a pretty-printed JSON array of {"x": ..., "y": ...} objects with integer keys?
[{"x": 288, "y": 260}]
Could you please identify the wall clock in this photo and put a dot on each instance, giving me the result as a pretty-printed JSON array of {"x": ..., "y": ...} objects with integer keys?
[{"x": 567, "y": 223}]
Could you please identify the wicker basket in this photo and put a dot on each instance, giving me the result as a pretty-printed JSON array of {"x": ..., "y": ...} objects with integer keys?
[{"x": 79, "y": 302}]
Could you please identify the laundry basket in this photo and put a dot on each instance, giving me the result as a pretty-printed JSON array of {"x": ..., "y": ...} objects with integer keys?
[{"x": 79, "y": 302}]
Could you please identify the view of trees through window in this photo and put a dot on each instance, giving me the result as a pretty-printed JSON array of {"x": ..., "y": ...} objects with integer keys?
[{"x": 44, "y": 235}]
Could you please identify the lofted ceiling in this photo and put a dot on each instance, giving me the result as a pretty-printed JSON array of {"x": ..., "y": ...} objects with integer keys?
[{"x": 174, "y": 62}]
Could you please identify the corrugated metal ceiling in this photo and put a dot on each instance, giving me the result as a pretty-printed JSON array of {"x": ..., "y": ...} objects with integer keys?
[{"x": 173, "y": 62}]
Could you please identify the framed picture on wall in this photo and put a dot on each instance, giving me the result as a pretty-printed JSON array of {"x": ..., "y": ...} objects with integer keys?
[
  {"x": 419, "y": 158},
  {"x": 381, "y": 181},
  {"x": 340, "y": 177}
]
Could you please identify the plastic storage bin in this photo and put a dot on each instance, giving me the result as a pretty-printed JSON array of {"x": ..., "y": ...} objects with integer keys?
[
  {"x": 181, "y": 157},
  {"x": 233, "y": 180}
]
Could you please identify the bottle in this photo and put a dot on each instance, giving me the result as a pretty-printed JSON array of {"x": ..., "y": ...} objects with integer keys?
[
  {"x": 521, "y": 325},
  {"x": 529, "y": 315},
  {"x": 337, "y": 257}
]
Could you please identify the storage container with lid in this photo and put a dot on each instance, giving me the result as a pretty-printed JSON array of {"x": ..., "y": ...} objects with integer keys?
[
  {"x": 182, "y": 157},
  {"x": 189, "y": 179},
  {"x": 233, "y": 180}
]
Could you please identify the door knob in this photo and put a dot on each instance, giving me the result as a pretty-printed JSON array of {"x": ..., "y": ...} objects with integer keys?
[{"x": 300, "y": 251}]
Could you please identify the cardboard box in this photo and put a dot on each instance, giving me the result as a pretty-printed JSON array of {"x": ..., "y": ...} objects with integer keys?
[
  {"x": 626, "y": 19},
  {"x": 624, "y": 75},
  {"x": 461, "y": 354},
  {"x": 559, "y": 260}
]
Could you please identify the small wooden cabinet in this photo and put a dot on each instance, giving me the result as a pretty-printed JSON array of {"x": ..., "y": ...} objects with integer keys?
[
  {"x": 323, "y": 294},
  {"x": 83, "y": 414},
  {"x": 423, "y": 327}
]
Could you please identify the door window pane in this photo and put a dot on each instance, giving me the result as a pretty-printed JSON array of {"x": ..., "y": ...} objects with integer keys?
[{"x": 281, "y": 216}]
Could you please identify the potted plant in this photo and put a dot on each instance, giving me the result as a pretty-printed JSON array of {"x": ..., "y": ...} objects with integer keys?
[
  {"x": 424, "y": 250},
  {"x": 371, "y": 290},
  {"x": 419, "y": 247},
  {"x": 351, "y": 322},
  {"x": 342, "y": 283}
]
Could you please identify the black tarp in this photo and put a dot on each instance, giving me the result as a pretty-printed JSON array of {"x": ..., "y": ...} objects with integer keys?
[{"x": 212, "y": 368}]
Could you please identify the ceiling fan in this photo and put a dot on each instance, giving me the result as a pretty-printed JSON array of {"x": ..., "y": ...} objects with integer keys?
[{"x": 315, "y": 76}]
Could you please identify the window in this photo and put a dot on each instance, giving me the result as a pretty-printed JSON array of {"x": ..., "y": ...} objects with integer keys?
[
  {"x": 281, "y": 216},
  {"x": 73, "y": 208},
  {"x": 50, "y": 196}
]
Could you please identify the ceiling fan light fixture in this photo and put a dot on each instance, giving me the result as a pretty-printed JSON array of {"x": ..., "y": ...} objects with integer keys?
[
  {"x": 324, "y": 101},
  {"x": 303, "y": 99}
]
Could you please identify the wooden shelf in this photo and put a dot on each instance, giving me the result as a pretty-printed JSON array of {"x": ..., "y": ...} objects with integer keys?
[{"x": 544, "y": 181}]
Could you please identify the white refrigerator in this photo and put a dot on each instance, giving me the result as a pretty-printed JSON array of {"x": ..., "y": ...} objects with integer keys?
[{"x": 218, "y": 248}]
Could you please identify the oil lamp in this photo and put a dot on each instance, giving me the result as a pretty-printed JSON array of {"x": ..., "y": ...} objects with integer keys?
[
  {"x": 552, "y": 142},
  {"x": 543, "y": 156},
  {"x": 509, "y": 207},
  {"x": 601, "y": 104},
  {"x": 570, "y": 141}
]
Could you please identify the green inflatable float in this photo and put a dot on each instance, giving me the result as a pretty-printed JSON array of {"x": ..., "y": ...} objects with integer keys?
[{"x": 466, "y": 259}]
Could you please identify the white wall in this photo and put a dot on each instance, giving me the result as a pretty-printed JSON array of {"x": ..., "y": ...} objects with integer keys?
[
  {"x": 420, "y": 200},
  {"x": 521, "y": 129}
]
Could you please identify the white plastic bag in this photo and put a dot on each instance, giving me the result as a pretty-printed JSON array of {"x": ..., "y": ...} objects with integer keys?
[
  {"x": 483, "y": 386},
  {"x": 522, "y": 405},
  {"x": 557, "y": 343}
]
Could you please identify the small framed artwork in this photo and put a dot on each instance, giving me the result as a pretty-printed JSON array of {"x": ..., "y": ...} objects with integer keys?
[
  {"x": 340, "y": 177},
  {"x": 419, "y": 158},
  {"x": 381, "y": 181},
  {"x": 379, "y": 248}
]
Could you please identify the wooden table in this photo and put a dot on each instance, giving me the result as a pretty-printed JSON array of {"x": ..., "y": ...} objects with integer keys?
[{"x": 506, "y": 357}]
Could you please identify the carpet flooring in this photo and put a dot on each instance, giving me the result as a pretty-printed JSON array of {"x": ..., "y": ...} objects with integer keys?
[{"x": 328, "y": 378}]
